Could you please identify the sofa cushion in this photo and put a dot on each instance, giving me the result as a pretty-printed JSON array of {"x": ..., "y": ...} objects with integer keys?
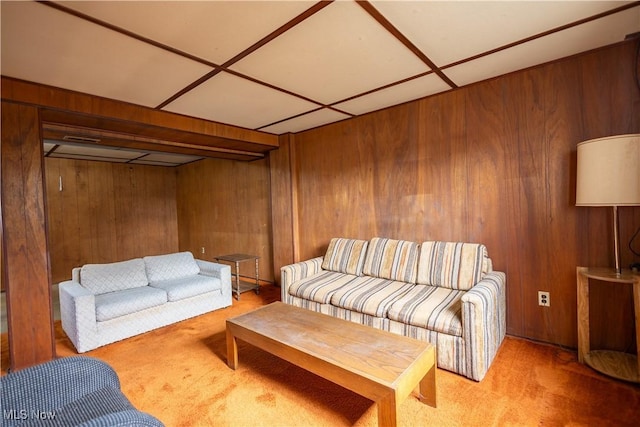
[
  {"x": 392, "y": 259},
  {"x": 116, "y": 276},
  {"x": 320, "y": 286},
  {"x": 345, "y": 256},
  {"x": 370, "y": 295},
  {"x": 452, "y": 264},
  {"x": 187, "y": 287},
  {"x": 116, "y": 304},
  {"x": 434, "y": 308},
  {"x": 170, "y": 266}
]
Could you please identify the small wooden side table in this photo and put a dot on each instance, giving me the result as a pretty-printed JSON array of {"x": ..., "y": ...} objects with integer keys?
[
  {"x": 616, "y": 364},
  {"x": 242, "y": 285}
]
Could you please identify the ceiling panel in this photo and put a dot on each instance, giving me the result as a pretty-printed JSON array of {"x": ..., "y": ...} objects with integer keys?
[
  {"x": 230, "y": 99},
  {"x": 94, "y": 152},
  {"x": 47, "y": 46},
  {"x": 564, "y": 43},
  {"x": 212, "y": 30},
  {"x": 339, "y": 52},
  {"x": 450, "y": 31},
  {"x": 163, "y": 159}
]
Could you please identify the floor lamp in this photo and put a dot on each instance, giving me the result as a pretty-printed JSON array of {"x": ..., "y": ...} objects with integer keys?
[{"x": 608, "y": 174}]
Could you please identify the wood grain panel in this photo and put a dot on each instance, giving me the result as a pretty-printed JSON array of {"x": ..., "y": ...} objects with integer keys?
[
  {"x": 29, "y": 307},
  {"x": 223, "y": 206},
  {"x": 562, "y": 130},
  {"x": 336, "y": 171},
  {"x": 391, "y": 143},
  {"x": 442, "y": 212},
  {"x": 524, "y": 100},
  {"x": 108, "y": 212},
  {"x": 494, "y": 163}
]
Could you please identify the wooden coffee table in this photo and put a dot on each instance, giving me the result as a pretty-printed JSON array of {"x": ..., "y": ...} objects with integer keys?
[{"x": 378, "y": 365}]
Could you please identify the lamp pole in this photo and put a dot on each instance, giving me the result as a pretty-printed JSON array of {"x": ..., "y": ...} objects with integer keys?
[{"x": 616, "y": 240}]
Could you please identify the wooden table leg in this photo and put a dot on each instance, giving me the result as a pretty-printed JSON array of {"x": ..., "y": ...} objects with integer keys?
[
  {"x": 583, "y": 315},
  {"x": 428, "y": 388},
  {"x": 387, "y": 411},
  {"x": 232, "y": 350}
]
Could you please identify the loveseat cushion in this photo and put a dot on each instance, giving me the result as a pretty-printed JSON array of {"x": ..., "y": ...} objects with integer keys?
[
  {"x": 392, "y": 259},
  {"x": 345, "y": 256},
  {"x": 170, "y": 266},
  {"x": 431, "y": 307},
  {"x": 187, "y": 287},
  {"x": 116, "y": 276},
  {"x": 452, "y": 265},
  {"x": 369, "y": 295},
  {"x": 116, "y": 304},
  {"x": 320, "y": 286}
]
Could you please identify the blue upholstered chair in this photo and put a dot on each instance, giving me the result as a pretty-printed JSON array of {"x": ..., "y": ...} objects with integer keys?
[{"x": 71, "y": 391}]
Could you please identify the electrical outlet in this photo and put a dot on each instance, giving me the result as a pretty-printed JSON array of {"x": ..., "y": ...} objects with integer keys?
[
  {"x": 544, "y": 299},
  {"x": 202, "y": 250}
]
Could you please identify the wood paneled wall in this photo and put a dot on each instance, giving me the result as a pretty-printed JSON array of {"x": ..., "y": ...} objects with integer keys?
[
  {"x": 492, "y": 163},
  {"x": 108, "y": 212},
  {"x": 223, "y": 206}
]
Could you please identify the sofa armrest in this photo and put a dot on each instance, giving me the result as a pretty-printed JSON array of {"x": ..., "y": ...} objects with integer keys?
[
  {"x": 293, "y": 272},
  {"x": 221, "y": 271},
  {"x": 484, "y": 322},
  {"x": 78, "y": 315}
]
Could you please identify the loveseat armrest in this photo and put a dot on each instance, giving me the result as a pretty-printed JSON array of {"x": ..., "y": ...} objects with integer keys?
[
  {"x": 293, "y": 272},
  {"x": 78, "y": 315},
  {"x": 484, "y": 322},
  {"x": 221, "y": 271}
]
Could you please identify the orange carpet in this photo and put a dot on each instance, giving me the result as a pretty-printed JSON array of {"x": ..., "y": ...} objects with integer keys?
[{"x": 179, "y": 374}]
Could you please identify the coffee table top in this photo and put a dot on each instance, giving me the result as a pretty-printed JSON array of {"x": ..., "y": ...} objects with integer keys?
[{"x": 380, "y": 356}]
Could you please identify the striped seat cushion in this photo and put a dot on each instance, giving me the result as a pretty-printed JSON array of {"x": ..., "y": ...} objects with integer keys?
[
  {"x": 345, "y": 256},
  {"x": 320, "y": 287},
  {"x": 370, "y": 295},
  {"x": 392, "y": 259},
  {"x": 434, "y": 308},
  {"x": 452, "y": 265}
]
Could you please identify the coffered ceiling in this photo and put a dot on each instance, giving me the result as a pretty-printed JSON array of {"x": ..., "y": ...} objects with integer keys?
[{"x": 288, "y": 66}]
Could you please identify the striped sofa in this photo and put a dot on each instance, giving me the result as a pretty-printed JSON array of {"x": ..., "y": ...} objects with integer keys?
[{"x": 442, "y": 292}]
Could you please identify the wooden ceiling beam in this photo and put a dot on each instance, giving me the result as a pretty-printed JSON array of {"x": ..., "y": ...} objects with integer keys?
[{"x": 71, "y": 108}]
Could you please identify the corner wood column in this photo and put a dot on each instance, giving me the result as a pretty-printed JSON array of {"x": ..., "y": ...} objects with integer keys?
[
  {"x": 26, "y": 272},
  {"x": 284, "y": 213}
]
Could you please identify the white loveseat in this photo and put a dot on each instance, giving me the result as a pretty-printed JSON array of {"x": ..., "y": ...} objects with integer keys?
[
  {"x": 445, "y": 293},
  {"x": 104, "y": 303}
]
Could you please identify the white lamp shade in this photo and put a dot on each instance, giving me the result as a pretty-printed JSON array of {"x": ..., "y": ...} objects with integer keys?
[{"x": 609, "y": 171}]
